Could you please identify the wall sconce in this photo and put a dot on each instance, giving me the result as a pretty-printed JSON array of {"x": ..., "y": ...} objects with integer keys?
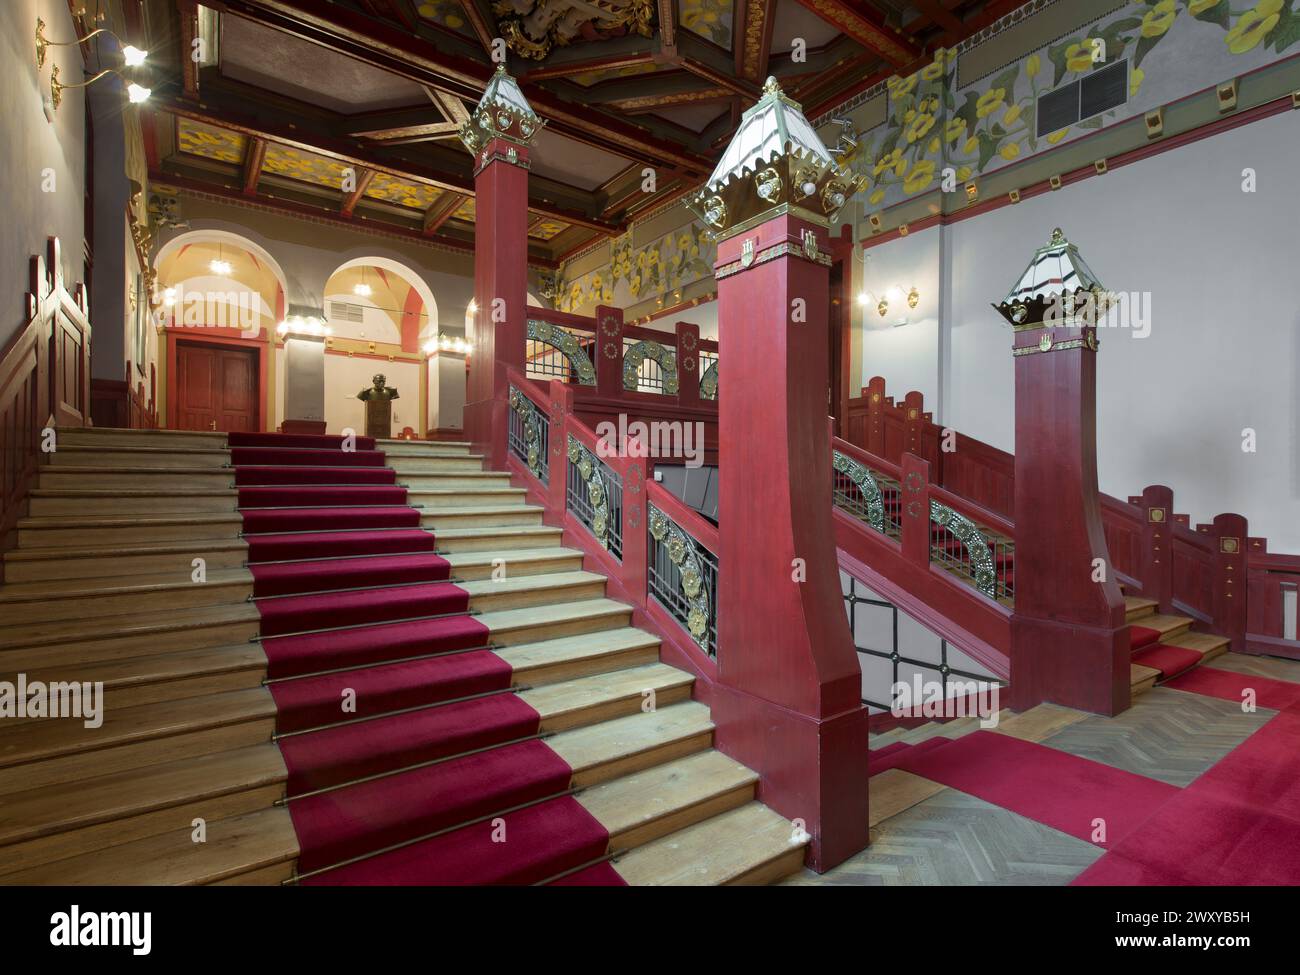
[
  {"x": 1155, "y": 123},
  {"x": 1227, "y": 93},
  {"x": 303, "y": 325},
  {"x": 913, "y": 298},
  {"x": 132, "y": 57},
  {"x": 135, "y": 93},
  {"x": 882, "y": 307}
]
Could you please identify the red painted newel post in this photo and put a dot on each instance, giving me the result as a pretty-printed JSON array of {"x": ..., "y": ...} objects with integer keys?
[
  {"x": 1230, "y": 533},
  {"x": 688, "y": 364},
  {"x": 498, "y": 134},
  {"x": 1069, "y": 639},
  {"x": 608, "y": 351},
  {"x": 1156, "y": 572},
  {"x": 787, "y": 697},
  {"x": 914, "y": 496}
]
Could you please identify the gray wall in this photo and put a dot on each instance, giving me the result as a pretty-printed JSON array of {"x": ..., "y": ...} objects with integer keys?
[{"x": 33, "y": 145}]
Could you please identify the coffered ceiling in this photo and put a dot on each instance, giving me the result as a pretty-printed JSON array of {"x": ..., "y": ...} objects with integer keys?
[{"x": 348, "y": 109}]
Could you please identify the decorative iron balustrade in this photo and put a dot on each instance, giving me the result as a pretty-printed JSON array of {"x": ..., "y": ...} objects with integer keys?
[
  {"x": 529, "y": 434},
  {"x": 963, "y": 548},
  {"x": 659, "y": 377},
  {"x": 683, "y": 578},
  {"x": 576, "y": 363},
  {"x": 594, "y": 493},
  {"x": 867, "y": 495},
  {"x": 708, "y": 375}
]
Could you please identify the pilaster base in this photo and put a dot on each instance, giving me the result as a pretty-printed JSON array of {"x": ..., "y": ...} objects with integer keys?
[
  {"x": 487, "y": 428},
  {"x": 1076, "y": 666}
]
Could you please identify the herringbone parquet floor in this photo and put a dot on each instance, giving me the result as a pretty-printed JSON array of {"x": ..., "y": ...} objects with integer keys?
[{"x": 952, "y": 838}]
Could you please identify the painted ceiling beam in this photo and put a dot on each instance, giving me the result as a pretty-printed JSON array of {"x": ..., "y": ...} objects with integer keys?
[
  {"x": 441, "y": 212},
  {"x": 349, "y": 154},
  {"x": 865, "y": 25},
  {"x": 939, "y": 14},
  {"x": 754, "y": 38},
  {"x": 363, "y": 178},
  {"x": 547, "y": 72},
  {"x": 410, "y": 56},
  {"x": 254, "y": 157},
  {"x": 189, "y": 17},
  {"x": 484, "y": 29}
]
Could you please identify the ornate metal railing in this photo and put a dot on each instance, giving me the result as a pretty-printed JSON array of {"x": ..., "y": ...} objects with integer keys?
[
  {"x": 708, "y": 375},
  {"x": 682, "y": 576},
  {"x": 869, "y": 496},
  {"x": 649, "y": 367},
  {"x": 574, "y": 362},
  {"x": 969, "y": 550},
  {"x": 529, "y": 434},
  {"x": 594, "y": 493}
]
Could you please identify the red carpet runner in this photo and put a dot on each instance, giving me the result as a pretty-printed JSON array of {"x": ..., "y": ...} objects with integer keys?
[{"x": 356, "y": 607}]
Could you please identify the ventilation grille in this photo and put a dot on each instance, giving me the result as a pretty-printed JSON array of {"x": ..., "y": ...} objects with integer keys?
[
  {"x": 1102, "y": 90},
  {"x": 342, "y": 311}
]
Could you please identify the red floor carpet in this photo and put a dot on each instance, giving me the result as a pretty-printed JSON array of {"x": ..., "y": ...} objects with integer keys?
[
  {"x": 1041, "y": 783},
  {"x": 410, "y": 759}
]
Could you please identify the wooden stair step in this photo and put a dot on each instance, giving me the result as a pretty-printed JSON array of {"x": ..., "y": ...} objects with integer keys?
[
  {"x": 65, "y": 530},
  {"x": 552, "y": 661},
  {"x": 601, "y": 697},
  {"x": 600, "y": 752},
  {"x": 86, "y": 816},
  {"x": 519, "y": 592},
  {"x": 435, "y": 480},
  {"x": 59, "y": 642},
  {"x": 525, "y": 561},
  {"x": 238, "y": 846},
  {"x": 1210, "y": 645},
  {"x": 121, "y": 501},
  {"x": 483, "y": 516},
  {"x": 129, "y": 455},
  {"x": 38, "y": 741},
  {"x": 171, "y": 557},
  {"x": 433, "y": 463},
  {"x": 1141, "y": 679},
  {"x": 72, "y": 599},
  {"x": 510, "y": 627},
  {"x": 1135, "y": 608},
  {"x": 419, "y": 446},
  {"x": 1167, "y": 626},
  {"x": 122, "y": 436},
  {"x": 132, "y": 681},
  {"x": 748, "y": 845},
  {"x": 501, "y": 536},
  {"x": 646, "y": 805},
  {"x": 435, "y": 498}
]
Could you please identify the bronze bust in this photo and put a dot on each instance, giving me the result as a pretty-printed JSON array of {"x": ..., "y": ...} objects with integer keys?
[{"x": 378, "y": 392}]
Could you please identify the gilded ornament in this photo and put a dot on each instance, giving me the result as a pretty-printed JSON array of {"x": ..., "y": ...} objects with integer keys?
[
  {"x": 715, "y": 212},
  {"x": 768, "y": 185}
]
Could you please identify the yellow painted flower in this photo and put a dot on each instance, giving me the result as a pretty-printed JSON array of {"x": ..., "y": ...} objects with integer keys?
[
  {"x": 877, "y": 196},
  {"x": 899, "y": 87},
  {"x": 963, "y": 174},
  {"x": 1033, "y": 65},
  {"x": 971, "y": 145},
  {"x": 1009, "y": 117},
  {"x": 934, "y": 146},
  {"x": 1135, "y": 81},
  {"x": 1253, "y": 26},
  {"x": 1010, "y": 150},
  {"x": 990, "y": 102},
  {"x": 921, "y": 176},
  {"x": 954, "y": 128},
  {"x": 652, "y": 257},
  {"x": 920, "y": 127},
  {"x": 887, "y": 161},
  {"x": 634, "y": 285},
  {"x": 683, "y": 242},
  {"x": 1200, "y": 6},
  {"x": 1078, "y": 57},
  {"x": 932, "y": 71},
  {"x": 1057, "y": 136},
  {"x": 596, "y": 281},
  {"x": 1159, "y": 18}
]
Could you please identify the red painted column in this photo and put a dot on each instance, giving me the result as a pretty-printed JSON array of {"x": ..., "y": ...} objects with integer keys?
[
  {"x": 1069, "y": 639},
  {"x": 875, "y": 393},
  {"x": 500, "y": 292},
  {"x": 609, "y": 351},
  {"x": 914, "y": 495},
  {"x": 787, "y": 697},
  {"x": 688, "y": 364}
]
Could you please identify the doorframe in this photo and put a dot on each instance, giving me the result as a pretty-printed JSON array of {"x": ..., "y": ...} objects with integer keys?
[{"x": 217, "y": 338}]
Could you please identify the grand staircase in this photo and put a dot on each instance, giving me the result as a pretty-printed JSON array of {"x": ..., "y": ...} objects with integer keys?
[{"x": 324, "y": 665}]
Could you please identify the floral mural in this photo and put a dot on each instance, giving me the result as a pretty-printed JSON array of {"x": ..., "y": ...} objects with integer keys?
[
  {"x": 931, "y": 127},
  {"x": 637, "y": 274}
]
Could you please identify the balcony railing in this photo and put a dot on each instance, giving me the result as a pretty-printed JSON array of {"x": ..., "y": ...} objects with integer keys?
[{"x": 682, "y": 576}]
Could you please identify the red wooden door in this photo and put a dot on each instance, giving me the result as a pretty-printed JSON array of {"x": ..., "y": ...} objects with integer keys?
[{"x": 216, "y": 388}]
